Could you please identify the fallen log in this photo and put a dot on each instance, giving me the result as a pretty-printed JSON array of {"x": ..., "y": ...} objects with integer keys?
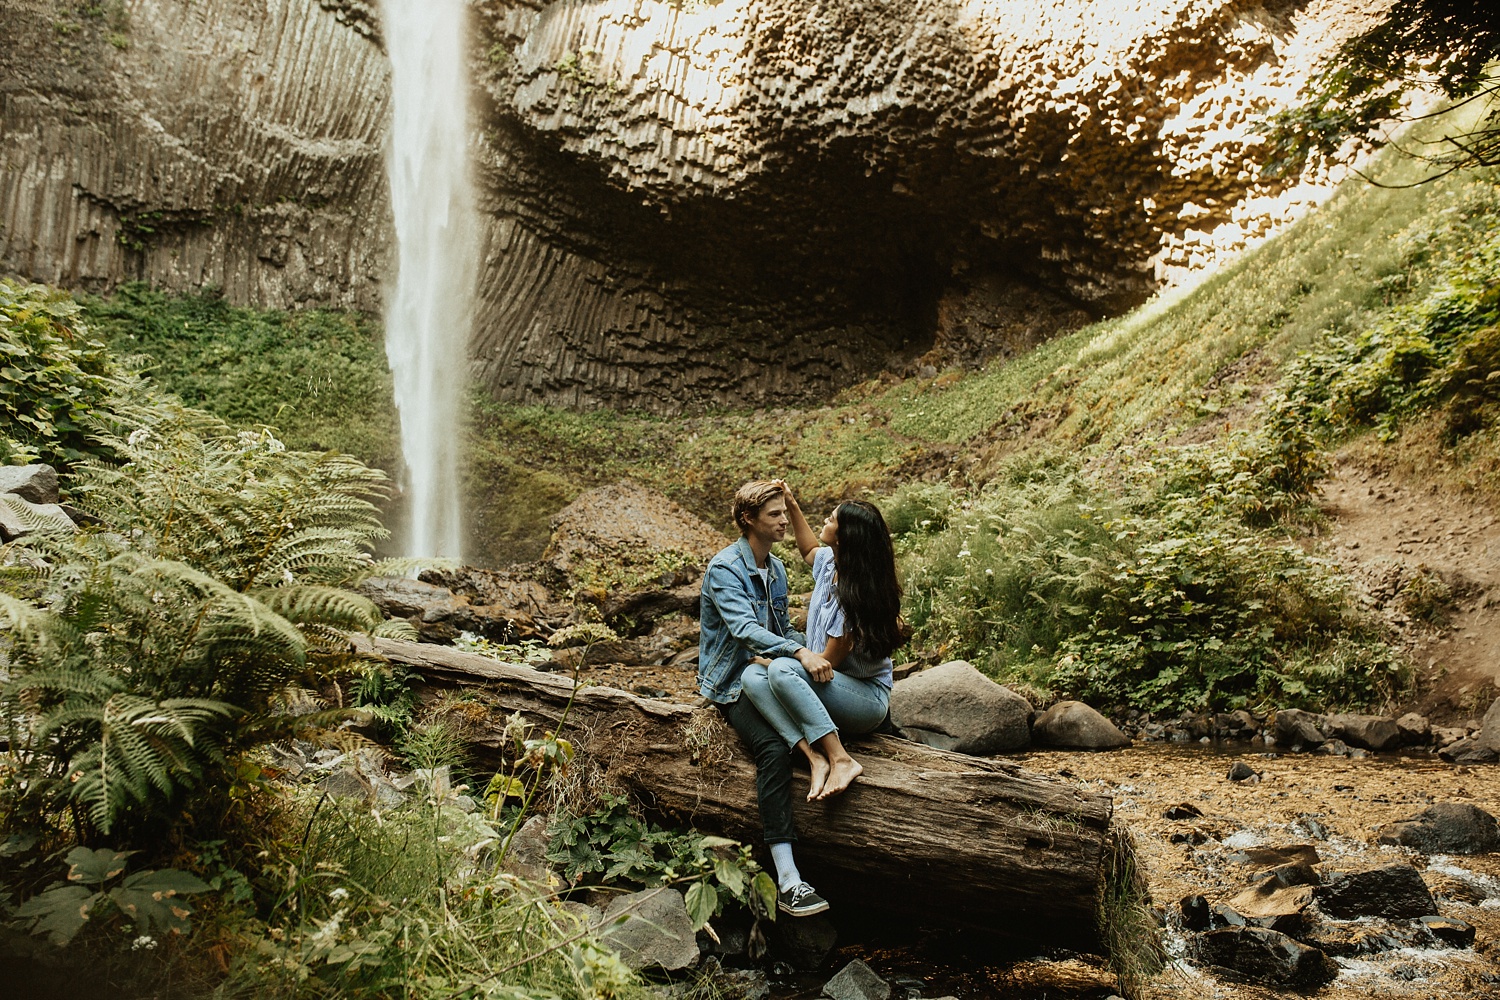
[{"x": 936, "y": 837}]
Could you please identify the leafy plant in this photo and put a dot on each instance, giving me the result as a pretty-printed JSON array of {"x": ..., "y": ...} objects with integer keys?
[
  {"x": 612, "y": 845},
  {"x": 151, "y": 900},
  {"x": 53, "y": 378}
]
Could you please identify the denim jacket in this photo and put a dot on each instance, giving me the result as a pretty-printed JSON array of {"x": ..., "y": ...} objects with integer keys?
[{"x": 738, "y": 620}]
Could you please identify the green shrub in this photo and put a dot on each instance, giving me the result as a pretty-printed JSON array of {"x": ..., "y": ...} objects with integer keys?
[
  {"x": 53, "y": 378},
  {"x": 1150, "y": 590}
]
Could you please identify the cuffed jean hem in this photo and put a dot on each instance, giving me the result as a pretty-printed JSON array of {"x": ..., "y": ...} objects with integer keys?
[{"x": 799, "y": 708}]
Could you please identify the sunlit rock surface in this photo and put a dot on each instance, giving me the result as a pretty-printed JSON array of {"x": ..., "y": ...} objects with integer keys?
[{"x": 753, "y": 202}]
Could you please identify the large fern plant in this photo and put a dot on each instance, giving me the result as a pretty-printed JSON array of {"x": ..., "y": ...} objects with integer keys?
[{"x": 142, "y": 652}]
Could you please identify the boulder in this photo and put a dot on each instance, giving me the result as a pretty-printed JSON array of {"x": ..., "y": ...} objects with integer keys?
[
  {"x": 1372, "y": 732},
  {"x": 1445, "y": 828},
  {"x": 1390, "y": 891},
  {"x": 1295, "y": 727},
  {"x": 857, "y": 981},
  {"x": 20, "y": 517},
  {"x": 1196, "y": 915},
  {"x": 1266, "y": 956},
  {"x": 36, "y": 483},
  {"x": 656, "y": 933},
  {"x": 1489, "y": 729},
  {"x": 526, "y": 853},
  {"x": 1075, "y": 725},
  {"x": 1269, "y": 904},
  {"x": 1469, "y": 750},
  {"x": 953, "y": 706},
  {"x": 1240, "y": 771},
  {"x": 627, "y": 533},
  {"x": 1415, "y": 729}
]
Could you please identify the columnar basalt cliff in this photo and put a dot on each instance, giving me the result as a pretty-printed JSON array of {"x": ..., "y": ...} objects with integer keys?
[{"x": 745, "y": 203}]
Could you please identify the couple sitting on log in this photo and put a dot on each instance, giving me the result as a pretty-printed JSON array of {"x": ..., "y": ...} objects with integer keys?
[{"x": 781, "y": 690}]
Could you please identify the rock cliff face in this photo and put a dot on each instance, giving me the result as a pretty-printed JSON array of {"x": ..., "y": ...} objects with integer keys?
[
  {"x": 753, "y": 202},
  {"x": 234, "y": 143}
]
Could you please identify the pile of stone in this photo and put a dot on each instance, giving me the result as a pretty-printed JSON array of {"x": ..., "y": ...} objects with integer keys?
[
  {"x": 1291, "y": 921},
  {"x": 1348, "y": 735},
  {"x": 30, "y": 504}
]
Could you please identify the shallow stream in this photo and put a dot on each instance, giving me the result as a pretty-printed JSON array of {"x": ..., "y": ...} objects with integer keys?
[{"x": 1335, "y": 804}]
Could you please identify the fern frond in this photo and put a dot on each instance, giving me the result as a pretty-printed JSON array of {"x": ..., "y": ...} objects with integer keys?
[
  {"x": 396, "y": 628},
  {"x": 144, "y": 745},
  {"x": 320, "y": 605}
]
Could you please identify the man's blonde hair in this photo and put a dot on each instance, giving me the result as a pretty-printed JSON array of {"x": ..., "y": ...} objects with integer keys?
[{"x": 750, "y": 499}]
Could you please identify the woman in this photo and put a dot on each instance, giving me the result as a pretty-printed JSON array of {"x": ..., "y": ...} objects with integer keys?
[{"x": 853, "y": 618}]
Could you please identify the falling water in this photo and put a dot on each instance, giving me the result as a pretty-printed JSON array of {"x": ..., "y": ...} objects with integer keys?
[{"x": 428, "y": 315}]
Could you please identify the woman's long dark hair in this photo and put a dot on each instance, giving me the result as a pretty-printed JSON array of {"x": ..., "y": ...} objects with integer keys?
[{"x": 867, "y": 587}]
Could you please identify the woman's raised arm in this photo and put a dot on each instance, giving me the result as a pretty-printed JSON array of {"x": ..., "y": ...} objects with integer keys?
[{"x": 807, "y": 539}]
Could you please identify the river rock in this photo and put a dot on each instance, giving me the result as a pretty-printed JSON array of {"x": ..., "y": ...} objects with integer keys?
[
  {"x": 1469, "y": 750},
  {"x": 1075, "y": 725},
  {"x": 952, "y": 706},
  {"x": 1446, "y": 828},
  {"x": 1448, "y": 932},
  {"x": 1390, "y": 891},
  {"x": 1196, "y": 915},
  {"x": 857, "y": 981},
  {"x": 19, "y": 518},
  {"x": 1415, "y": 729},
  {"x": 623, "y": 531},
  {"x": 1372, "y": 732},
  {"x": 1240, "y": 771},
  {"x": 656, "y": 933},
  {"x": 1269, "y": 904},
  {"x": 1489, "y": 729},
  {"x": 1296, "y": 728},
  {"x": 36, "y": 483},
  {"x": 1266, "y": 956}
]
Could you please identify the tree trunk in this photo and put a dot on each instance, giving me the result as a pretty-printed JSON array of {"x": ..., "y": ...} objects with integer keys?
[{"x": 936, "y": 837}]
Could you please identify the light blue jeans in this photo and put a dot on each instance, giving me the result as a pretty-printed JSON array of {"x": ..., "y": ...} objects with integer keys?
[{"x": 799, "y": 708}]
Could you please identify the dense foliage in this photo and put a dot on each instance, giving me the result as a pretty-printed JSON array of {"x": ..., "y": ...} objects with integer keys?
[
  {"x": 1447, "y": 45},
  {"x": 53, "y": 378}
]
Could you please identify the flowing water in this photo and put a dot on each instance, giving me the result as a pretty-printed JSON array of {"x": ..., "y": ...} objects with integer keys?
[{"x": 430, "y": 310}]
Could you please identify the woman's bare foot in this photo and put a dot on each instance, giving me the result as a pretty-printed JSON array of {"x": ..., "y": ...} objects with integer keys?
[
  {"x": 817, "y": 764},
  {"x": 841, "y": 774}
]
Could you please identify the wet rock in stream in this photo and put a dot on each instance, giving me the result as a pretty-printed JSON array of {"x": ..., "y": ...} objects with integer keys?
[
  {"x": 1446, "y": 828},
  {"x": 1265, "y": 956},
  {"x": 1389, "y": 891},
  {"x": 857, "y": 981}
]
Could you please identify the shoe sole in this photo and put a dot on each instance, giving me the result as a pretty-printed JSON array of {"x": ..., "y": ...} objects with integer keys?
[{"x": 805, "y": 911}]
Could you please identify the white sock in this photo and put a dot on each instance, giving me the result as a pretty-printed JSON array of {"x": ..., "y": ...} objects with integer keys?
[{"x": 787, "y": 874}]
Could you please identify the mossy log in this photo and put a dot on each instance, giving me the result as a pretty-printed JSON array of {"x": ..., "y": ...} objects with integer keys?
[{"x": 931, "y": 836}]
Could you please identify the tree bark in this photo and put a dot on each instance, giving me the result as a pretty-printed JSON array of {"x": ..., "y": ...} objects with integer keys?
[{"x": 934, "y": 836}]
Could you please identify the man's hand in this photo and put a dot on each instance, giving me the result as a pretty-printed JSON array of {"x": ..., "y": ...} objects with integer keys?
[{"x": 816, "y": 666}]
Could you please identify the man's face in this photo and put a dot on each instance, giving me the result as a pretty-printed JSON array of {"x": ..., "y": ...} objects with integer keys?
[{"x": 769, "y": 525}]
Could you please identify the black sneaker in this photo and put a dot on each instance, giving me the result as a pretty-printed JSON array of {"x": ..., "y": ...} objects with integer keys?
[{"x": 801, "y": 900}]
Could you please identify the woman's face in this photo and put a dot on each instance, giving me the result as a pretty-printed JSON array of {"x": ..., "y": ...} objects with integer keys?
[{"x": 830, "y": 530}]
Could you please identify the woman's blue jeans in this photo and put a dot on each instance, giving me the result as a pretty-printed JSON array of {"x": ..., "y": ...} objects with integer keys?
[{"x": 800, "y": 708}]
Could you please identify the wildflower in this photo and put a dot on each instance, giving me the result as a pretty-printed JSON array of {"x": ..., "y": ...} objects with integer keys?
[
  {"x": 963, "y": 553},
  {"x": 137, "y": 436},
  {"x": 339, "y": 894},
  {"x": 989, "y": 572},
  {"x": 145, "y": 941}
]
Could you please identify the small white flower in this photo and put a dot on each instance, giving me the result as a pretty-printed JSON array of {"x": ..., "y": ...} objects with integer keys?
[
  {"x": 963, "y": 553},
  {"x": 138, "y": 435},
  {"x": 287, "y": 578},
  {"x": 144, "y": 941},
  {"x": 339, "y": 894},
  {"x": 989, "y": 572}
]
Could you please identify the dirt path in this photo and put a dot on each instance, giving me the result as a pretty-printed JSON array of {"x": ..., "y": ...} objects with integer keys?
[{"x": 1398, "y": 537}]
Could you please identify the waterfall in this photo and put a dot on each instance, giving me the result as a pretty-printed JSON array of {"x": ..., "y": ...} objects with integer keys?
[{"x": 429, "y": 313}]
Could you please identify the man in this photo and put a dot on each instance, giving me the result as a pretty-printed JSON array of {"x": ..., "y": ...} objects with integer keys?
[{"x": 744, "y": 615}]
